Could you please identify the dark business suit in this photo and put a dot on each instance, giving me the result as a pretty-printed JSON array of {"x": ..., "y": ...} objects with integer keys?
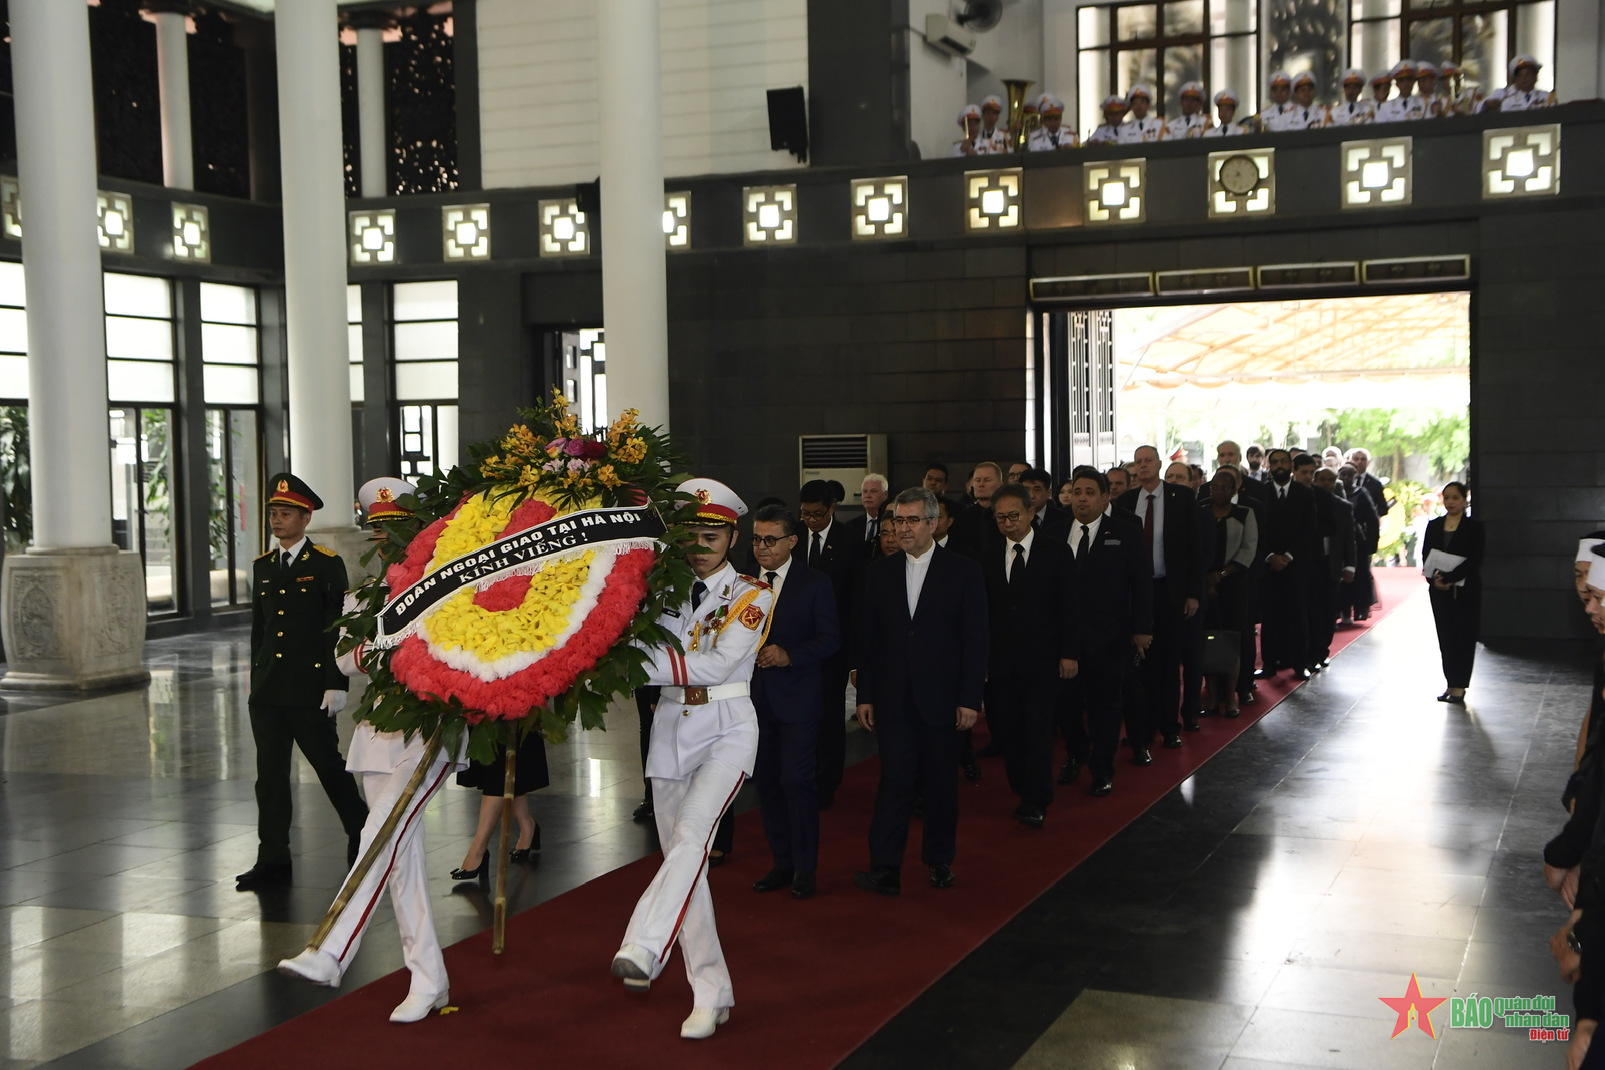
[
  {"x": 292, "y": 665},
  {"x": 1112, "y": 600},
  {"x": 1335, "y": 521},
  {"x": 1183, "y": 578},
  {"x": 1028, "y": 621},
  {"x": 1377, "y": 492},
  {"x": 838, "y": 558},
  {"x": 1251, "y": 493},
  {"x": 1457, "y": 612},
  {"x": 1290, "y": 528},
  {"x": 973, "y": 530},
  {"x": 916, "y": 673},
  {"x": 803, "y": 623},
  {"x": 856, "y": 530},
  {"x": 1361, "y": 595}
]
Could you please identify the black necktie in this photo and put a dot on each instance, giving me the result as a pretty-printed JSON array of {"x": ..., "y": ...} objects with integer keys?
[
  {"x": 813, "y": 552},
  {"x": 285, "y": 561},
  {"x": 1081, "y": 548},
  {"x": 874, "y": 529},
  {"x": 1017, "y": 567},
  {"x": 699, "y": 591},
  {"x": 769, "y": 577}
]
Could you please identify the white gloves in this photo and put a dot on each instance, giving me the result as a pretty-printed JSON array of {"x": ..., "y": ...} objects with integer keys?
[{"x": 334, "y": 702}]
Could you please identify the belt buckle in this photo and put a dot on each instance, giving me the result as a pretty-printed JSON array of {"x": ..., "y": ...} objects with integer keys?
[{"x": 696, "y": 696}]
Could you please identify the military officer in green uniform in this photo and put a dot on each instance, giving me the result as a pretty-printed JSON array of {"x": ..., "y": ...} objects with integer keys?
[{"x": 296, "y": 687}]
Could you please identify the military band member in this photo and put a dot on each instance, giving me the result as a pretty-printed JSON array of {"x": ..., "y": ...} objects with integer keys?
[
  {"x": 1272, "y": 115},
  {"x": 971, "y": 143},
  {"x": 1229, "y": 125},
  {"x": 992, "y": 132},
  {"x": 1140, "y": 127},
  {"x": 1051, "y": 134},
  {"x": 1463, "y": 99},
  {"x": 1522, "y": 94},
  {"x": 1381, "y": 90},
  {"x": 1351, "y": 110},
  {"x": 296, "y": 687},
  {"x": 386, "y": 762},
  {"x": 1433, "y": 103},
  {"x": 1192, "y": 122},
  {"x": 1406, "y": 105},
  {"x": 1114, "y": 114},
  {"x": 704, "y": 742}
]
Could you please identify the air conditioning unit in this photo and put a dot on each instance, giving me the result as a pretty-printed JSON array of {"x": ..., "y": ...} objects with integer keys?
[
  {"x": 845, "y": 458},
  {"x": 952, "y": 38}
]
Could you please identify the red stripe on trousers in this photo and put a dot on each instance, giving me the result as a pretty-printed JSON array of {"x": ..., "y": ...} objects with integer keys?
[{"x": 685, "y": 906}]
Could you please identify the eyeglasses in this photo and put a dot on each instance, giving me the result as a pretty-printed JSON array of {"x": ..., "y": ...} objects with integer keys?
[
  {"x": 814, "y": 514},
  {"x": 769, "y": 542},
  {"x": 910, "y": 521},
  {"x": 1008, "y": 518}
]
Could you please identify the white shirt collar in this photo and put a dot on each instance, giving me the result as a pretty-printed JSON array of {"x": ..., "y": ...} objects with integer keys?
[{"x": 294, "y": 551}]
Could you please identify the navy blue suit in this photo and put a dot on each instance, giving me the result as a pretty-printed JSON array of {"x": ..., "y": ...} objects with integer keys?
[
  {"x": 1179, "y": 552},
  {"x": 916, "y": 673},
  {"x": 839, "y": 557},
  {"x": 805, "y": 626}
]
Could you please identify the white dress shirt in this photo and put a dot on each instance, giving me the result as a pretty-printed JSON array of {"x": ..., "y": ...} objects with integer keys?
[
  {"x": 294, "y": 551},
  {"x": 914, "y": 572},
  {"x": 1076, "y": 527},
  {"x": 780, "y": 577},
  {"x": 824, "y": 540},
  {"x": 1158, "y": 495},
  {"x": 1008, "y": 550}
]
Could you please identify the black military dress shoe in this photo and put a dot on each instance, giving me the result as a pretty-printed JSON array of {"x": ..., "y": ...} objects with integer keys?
[
  {"x": 1265, "y": 673},
  {"x": 1030, "y": 815},
  {"x": 773, "y": 881},
  {"x": 1140, "y": 756},
  {"x": 1301, "y": 674},
  {"x": 1172, "y": 740},
  {"x": 942, "y": 876},
  {"x": 1070, "y": 771},
  {"x": 263, "y": 875},
  {"x": 881, "y": 881},
  {"x": 802, "y": 886},
  {"x": 1190, "y": 722},
  {"x": 1101, "y": 786},
  {"x": 644, "y": 812}
]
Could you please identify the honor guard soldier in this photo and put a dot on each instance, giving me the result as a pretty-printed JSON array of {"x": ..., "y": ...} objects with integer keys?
[
  {"x": 704, "y": 743},
  {"x": 1351, "y": 110},
  {"x": 971, "y": 144},
  {"x": 1433, "y": 103},
  {"x": 1226, "y": 109},
  {"x": 1306, "y": 113},
  {"x": 1192, "y": 122},
  {"x": 1114, "y": 112},
  {"x": 296, "y": 687},
  {"x": 1522, "y": 94},
  {"x": 386, "y": 762},
  {"x": 1051, "y": 134},
  {"x": 1273, "y": 115},
  {"x": 991, "y": 132},
  {"x": 1140, "y": 127},
  {"x": 1406, "y": 105}
]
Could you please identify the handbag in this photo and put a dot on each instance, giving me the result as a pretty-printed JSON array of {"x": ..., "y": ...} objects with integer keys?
[{"x": 1220, "y": 653}]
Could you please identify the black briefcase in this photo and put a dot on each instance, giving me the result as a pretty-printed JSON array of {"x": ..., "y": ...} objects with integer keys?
[{"x": 1220, "y": 653}]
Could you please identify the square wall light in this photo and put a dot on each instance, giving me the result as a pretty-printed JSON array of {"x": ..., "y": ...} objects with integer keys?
[
  {"x": 677, "y": 220},
  {"x": 1242, "y": 182},
  {"x": 465, "y": 231},
  {"x": 10, "y": 207},
  {"x": 1376, "y": 173},
  {"x": 769, "y": 215},
  {"x": 992, "y": 199},
  {"x": 192, "y": 233},
  {"x": 564, "y": 230},
  {"x": 1521, "y": 161},
  {"x": 1115, "y": 191},
  {"x": 371, "y": 235},
  {"x": 115, "y": 222},
  {"x": 880, "y": 207}
]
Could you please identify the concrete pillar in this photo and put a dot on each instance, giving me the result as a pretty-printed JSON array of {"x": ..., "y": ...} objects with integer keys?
[
  {"x": 73, "y": 607},
  {"x": 635, "y": 304},
  {"x": 373, "y": 135},
  {"x": 1578, "y": 51},
  {"x": 172, "y": 73},
  {"x": 307, "y": 39}
]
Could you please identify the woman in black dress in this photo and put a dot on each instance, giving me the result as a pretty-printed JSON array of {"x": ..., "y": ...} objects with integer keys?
[
  {"x": 1456, "y": 592},
  {"x": 529, "y": 775}
]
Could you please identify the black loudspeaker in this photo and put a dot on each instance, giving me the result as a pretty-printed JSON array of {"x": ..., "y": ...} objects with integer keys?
[{"x": 788, "y": 122}]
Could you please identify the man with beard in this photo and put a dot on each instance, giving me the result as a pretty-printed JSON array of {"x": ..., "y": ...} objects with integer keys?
[{"x": 1288, "y": 548}]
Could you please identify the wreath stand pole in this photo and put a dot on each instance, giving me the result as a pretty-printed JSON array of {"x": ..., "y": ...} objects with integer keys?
[
  {"x": 499, "y": 939},
  {"x": 386, "y": 831}
]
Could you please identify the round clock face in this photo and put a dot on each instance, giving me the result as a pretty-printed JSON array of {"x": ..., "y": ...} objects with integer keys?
[{"x": 1239, "y": 175}]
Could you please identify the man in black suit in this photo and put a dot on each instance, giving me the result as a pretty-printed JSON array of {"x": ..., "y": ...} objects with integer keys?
[
  {"x": 921, "y": 663},
  {"x": 803, "y": 632},
  {"x": 1361, "y": 594},
  {"x": 1046, "y": 512},
  {"x": 973, "y": 527},
  {"x": 1360, "y": 458},
  {"x": 1287, "y": 546},
  {"x": 865, "y": 530},
  {"x": 1028, "y": 587},
  {"x": 825, "y": 547},
  {"x": 1112, "y": 614},
  {"x": 1168, "y": 514},
  {"x": 1336, "y": 574}
]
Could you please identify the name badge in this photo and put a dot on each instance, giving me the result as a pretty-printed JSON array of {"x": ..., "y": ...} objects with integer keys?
[{"x": 1111, "y": 542}]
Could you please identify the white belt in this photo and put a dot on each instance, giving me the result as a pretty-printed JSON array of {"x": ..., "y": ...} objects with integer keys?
[{"x": 700, "y": 696}]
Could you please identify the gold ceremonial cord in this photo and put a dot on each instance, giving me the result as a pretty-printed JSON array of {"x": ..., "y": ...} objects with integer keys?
[{"x": 386, "y": 831}]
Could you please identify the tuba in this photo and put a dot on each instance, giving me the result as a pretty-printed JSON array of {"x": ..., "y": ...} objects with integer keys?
[{"x": 1019, "y": 134}]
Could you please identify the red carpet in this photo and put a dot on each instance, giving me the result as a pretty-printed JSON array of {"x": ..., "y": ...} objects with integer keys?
[{"x": 813, "y": 979}]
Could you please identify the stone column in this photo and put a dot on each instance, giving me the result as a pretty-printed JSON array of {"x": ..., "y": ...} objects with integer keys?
[
  {"x": 635, "y": 305},
  {"x": 73, "y": 607},
  {"x": 172, "y": 72},
  {"x": 313, "y": 179},
  {"x": 373, "y": 133}
]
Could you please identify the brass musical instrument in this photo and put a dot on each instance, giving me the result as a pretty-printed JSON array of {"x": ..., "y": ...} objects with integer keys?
[{"x": 1020, "y": 128}]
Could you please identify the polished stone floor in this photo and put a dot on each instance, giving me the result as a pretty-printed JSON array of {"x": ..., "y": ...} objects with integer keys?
[{"x": 1249, "y": 920}]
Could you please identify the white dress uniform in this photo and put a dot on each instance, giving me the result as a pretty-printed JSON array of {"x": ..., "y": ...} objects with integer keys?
[
  {"x": 1186, "y": 126},
  {"x": 1274, "y": 116},
  {"x": 1401, "y": 109},
  {"x": 1301, "y": 118},
  {"x": 1136, "y": 131},
  {"x": 1106, "y": 134},
  {"x": 1351, "y": 113},
  {"x": 704, "y": 744},
  {"x": 1512, "y": 99},
  {"x": 384, "y": 763}
]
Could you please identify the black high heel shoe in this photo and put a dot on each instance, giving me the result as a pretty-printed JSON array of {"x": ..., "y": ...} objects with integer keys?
[
  {"x": 520, "y": 856},
  {"x": 473, "y": 874}
]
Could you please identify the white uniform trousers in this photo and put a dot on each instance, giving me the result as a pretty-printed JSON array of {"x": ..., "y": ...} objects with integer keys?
[
  {"x": 677, "y": 904},
  {"x": 400, "y": 866}
]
